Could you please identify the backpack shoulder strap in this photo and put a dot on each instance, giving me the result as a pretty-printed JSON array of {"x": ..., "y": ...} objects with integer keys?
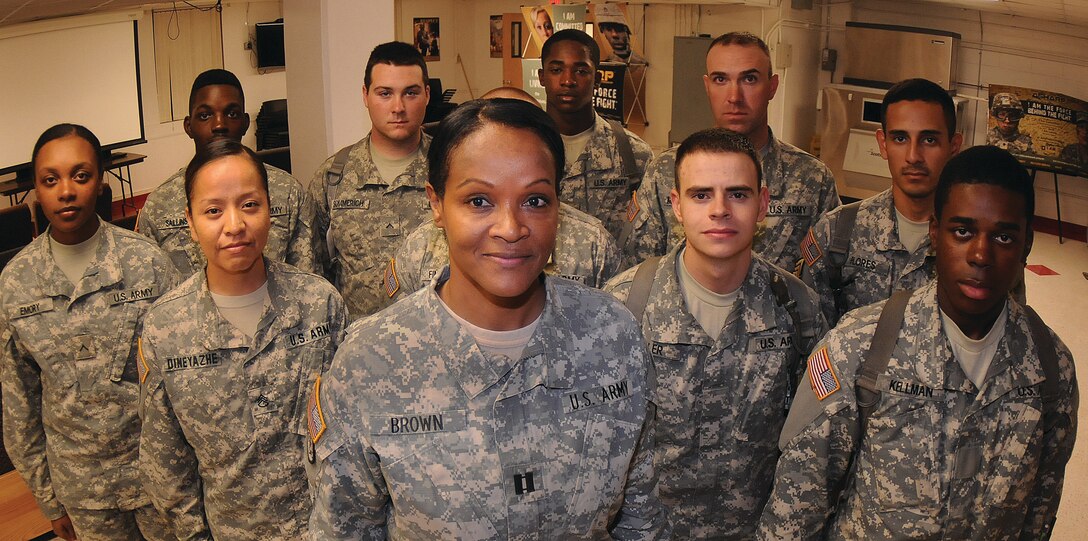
[
  {"x": 783, "y": 298},
  {"x": 879, "y": 354},
  {"x": 640, "y": 287},
  {"x": 627, "y": 155},
  {"x": 840, "y": 242},
  {"x": 336, "y": 171},
  {"x": 1048, "y": 355}
]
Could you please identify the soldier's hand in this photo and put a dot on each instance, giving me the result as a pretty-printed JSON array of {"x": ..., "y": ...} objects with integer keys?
[{"x": 63, "y": 528}]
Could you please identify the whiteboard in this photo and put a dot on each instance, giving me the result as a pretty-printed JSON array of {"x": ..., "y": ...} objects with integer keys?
[{"x": 84, "y": 75}]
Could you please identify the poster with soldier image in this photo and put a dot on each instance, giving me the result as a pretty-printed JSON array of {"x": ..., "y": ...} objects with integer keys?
[
  {"x": 1044, "y": 130},
  {"x": 620, "y": 41},
  {"x": 426, "y": 37}
]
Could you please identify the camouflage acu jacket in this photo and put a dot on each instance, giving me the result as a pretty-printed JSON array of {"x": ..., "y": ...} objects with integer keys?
[
  {"x": 875, "y": 265},
  {"x": 430, "y": 438},
  {"x": 362, "y": 219},
  {"x": 224, "y": 447},
  {"x": 69, "y": 372},
  {"x": 597, "y": 182},
  {"x": 940, "y": 459},
  {"x": 721, "y": 403}
]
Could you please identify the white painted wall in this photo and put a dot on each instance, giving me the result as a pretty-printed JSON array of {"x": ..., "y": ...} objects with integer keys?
[
  {"x": 328, "y": 43},
  {"x": 1000, "y": 49}
]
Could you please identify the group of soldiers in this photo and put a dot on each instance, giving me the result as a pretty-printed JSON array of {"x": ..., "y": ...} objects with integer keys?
[{"x": 786, "y": 397}]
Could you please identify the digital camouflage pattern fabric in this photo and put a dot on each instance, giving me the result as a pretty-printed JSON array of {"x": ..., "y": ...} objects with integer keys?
[
  {"x": 430, "y": 438},
  {"x": 69, "y": 372},
  {"x": 801, "y": 187},
  {"x": 875, "y": 265},
  {"x": 940, "y": 459},
  {"x": 721, "y": 403},
  {"x": 584, "y": 252},
  {"x": 362, "y": 219},
  {"x": 596, "y": 182},
  {"x": 290, "y": 238},
  {"x": 1021, "y": 144},
  {"x": 225, "y": 437}
]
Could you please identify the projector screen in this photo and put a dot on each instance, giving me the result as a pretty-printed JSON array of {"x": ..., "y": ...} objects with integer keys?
[{"x": 85, "y": 75}]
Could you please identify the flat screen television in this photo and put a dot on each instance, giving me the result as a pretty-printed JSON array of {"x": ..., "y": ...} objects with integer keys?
[{"x": 269, "y": 44}]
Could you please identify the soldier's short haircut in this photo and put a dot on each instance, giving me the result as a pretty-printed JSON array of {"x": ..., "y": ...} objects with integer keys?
[
  {"x": 718, "y": 141},
  {"x": 216, "y": 150},
  {"x": 577, "y": 36},
  {"x": 919, "y": 90},
  {"x": 215, "y": 77},
  {"x": 473, "y": 116},
  {"x": 986, "y": 165},
  {"x": 64, "y": 130},
  {"x": 394, "y": 53},
  {"x": 746, "y": 39}
]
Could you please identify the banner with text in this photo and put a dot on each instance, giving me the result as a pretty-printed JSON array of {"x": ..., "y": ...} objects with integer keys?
[
  {"x": 608, "y": 96},
  {"x": 1044, "y": 130}
]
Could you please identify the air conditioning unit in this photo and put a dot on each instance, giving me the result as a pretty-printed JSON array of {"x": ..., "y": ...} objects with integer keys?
[{"x": 880, "y": 55}]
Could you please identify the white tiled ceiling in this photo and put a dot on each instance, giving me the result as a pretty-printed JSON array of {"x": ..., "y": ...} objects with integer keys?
[
  {"x": 18, "y": 11},
  {"x": 21, "y": 11}
]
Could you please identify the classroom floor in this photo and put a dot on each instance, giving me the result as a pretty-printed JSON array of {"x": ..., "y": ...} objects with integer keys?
[{"x": 1062, "y": 301}]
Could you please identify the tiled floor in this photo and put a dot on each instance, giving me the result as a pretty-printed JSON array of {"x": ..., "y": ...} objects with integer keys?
[{"x": 1062, "y": 301}]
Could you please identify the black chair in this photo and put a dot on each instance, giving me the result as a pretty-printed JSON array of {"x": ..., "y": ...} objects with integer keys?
[{"x": 17, "y": 228}]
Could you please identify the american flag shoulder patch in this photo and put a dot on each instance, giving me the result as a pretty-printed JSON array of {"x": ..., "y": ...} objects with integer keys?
[
  {"x": 632, "y": 207},
  {"x": 820, "y": 374},
  {"x": 392, "y": 283},
  {"x": 141, "y": 366},
  {"x": 315, "y": 418},
  {"x": 810, "y": 249}
]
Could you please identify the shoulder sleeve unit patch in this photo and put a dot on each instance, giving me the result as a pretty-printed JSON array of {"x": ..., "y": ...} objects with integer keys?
[
  {"x": 810, "y": 249},
  {"x": 315, "y": 418},
  {"x": 392, "y": 283},
  {"x": 141, "y": 365},
  {"x": 820, "y": 374},
  {"x": 632, "y": 207}
]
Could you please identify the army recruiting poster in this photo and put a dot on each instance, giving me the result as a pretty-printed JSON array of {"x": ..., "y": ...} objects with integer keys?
[{"x": 1044, "y": 130}]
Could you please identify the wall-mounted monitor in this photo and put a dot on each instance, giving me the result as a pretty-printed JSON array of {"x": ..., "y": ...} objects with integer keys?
[{"x": 269, "y": 45}]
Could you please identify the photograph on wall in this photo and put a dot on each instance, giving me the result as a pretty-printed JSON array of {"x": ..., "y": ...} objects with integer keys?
[
  {"x": 618, "y": 43},
  {"x": 1044, "y": 130},
  {"x": 539, "y": 20},
  {"x": 496, "y": 36},
  {"x": 427, "y": 37}
]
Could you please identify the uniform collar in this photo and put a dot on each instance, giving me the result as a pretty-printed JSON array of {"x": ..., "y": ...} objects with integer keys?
[
  {"x": 102, "y": 272},
  {"x": 886, "y": 239},
  {"x": 414, "y": 176},
  {"x": 598, "y": 152},
  {"x": 282, "y": 313},
  {"x": 542, "y": 363},
  {"x": 1015, "y": 364},
  {"x": 670, "y": 321},
  {"x": 771, "y": 161}
]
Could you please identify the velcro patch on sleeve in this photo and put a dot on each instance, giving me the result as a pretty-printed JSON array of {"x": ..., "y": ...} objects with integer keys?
[
  {"x": 315, "y": 418},
  {"x": 141, "y": 364},
  {"x": 810, "y": 249},
  {"x": 820, "y": 374},
  {"x": 392, "y": 283},
  {"x": 632, "y": 207}
]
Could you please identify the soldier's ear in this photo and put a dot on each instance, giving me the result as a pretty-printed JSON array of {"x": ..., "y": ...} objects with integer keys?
[
  {"x": 189, "y": 221},
  {"x": 436, "y": 206},
  {"x": 674, "y": 200}
]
